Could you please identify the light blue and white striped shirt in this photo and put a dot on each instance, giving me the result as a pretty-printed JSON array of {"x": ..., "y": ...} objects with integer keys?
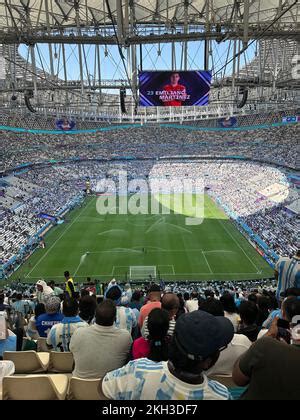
[
  {"x": 59, "y": 336},
  {"x": 144, "y": 379},
  {"x": 125, "y": 319},
  {"x": 288, "y": 274}
]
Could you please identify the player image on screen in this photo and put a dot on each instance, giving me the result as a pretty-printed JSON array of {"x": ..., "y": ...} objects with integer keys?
[{"x": 173, "y": 94}]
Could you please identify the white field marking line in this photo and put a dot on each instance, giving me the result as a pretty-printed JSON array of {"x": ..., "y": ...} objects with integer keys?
[
  {"x": 149, "y": 251},
  {"x": 55, "y": 242},
  {"x": 167, "y": 265},
  {"x": 230, "y": 234},
  {"x": 207, "y": 263},
  {"x": 178, "y": 274},
  {"x": 232, "y": 237},
  {"x": 113, "y": 269}
]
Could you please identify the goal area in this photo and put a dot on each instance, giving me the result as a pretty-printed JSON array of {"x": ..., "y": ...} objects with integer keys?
[{"x": 142, "y": 272}]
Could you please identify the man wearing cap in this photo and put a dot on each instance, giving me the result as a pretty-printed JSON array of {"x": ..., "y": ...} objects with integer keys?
[
  {"x": 154, "y": 297},
  {"x": 45, "y": 322},
  {"x": 198, "y": 339}
]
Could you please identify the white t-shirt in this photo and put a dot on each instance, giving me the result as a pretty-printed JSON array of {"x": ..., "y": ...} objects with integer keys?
[
  {"x": 262, "y": 333},
  {"x": 234, "y": 318},
  {"x": 192, "y": 305},
  {"x": 144, "y": 379},
  {"x": 238, "y": 346}
]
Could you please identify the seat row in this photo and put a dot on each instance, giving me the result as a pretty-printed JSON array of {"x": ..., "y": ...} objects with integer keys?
[
  {"x": 49, "y": 387},
  {"x": 31, "y": 362}
]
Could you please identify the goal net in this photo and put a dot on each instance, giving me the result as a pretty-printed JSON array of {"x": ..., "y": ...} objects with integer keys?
[{"x": 142, "y": 272}]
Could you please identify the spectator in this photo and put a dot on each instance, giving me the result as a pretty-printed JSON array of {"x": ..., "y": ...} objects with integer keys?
[
  {"x": 3, "y": 306},
  {"x": 271, "y": 368},
  {"x": 287, "y": 271},
  {"x": 199, "y": 337},
  {"x": 56, "y": 290},
  {"x": 101, "y": 347},
  {"x": 59, "y": 336},
  {"x": 273, "y": 312},
  {"x": 126, "y": 318},
  {"x": 182, "y": 309},
  {"x": 7, "y": 368},
  {"x": 136, "y": 300},
  {"x": 263, "y": 305},
  {"x": 170, "y": 303},
  {"x": 155, "y": 347},
  {"x": 135, "y": 303},
  {"x": 248, "y": 313},
  {"x": 43, "y": 291},
  {"x": 186, "y": 297},
  {"x": 127, "y": 295},
  {"x": 212, "y": 306},
  {"x": 84, "y": 292},
  {"x": 235, "y": 348},
  {"x": 154, "y": 296},
  {"x": 21, "y": 305},
  {"x": 192, "y": 304},
  {"x": 230, "y": 309},
  {"x": 32, "y": 331},
  {"x": 87, "y": 308},
  {"x": 52, "y": 316},
  {"x": 9, "y": 343}
]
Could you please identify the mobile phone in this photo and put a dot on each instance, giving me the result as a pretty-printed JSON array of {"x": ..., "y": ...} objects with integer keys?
[
  {"x": 282, "y": 323},
  {"x": 2, "y": 327},
  {"x": 284, "y": 330}
]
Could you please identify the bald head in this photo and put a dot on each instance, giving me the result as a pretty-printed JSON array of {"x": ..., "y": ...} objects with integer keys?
[
  {"x": 106, "y": 313},
  {"x": 170, "y": 303}
]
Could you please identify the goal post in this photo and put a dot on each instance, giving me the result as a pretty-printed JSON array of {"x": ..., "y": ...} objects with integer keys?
[{"x": 142, "y": 272}]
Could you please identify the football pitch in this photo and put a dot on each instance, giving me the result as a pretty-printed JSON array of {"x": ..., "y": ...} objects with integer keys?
[{"x": 99, "y": 246}]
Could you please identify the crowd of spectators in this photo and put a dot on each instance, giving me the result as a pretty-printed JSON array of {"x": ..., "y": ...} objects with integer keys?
[
  {"x": 275, "y": 145},
  {"x": 251, "y": 194},
  {"x": 175, "y": 341}
]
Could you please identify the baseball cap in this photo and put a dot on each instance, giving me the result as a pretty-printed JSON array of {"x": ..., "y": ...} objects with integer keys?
[{"x": 199, "y": 334}]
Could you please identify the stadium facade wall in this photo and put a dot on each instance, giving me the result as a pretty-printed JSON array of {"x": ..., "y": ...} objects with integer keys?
[{"x": 27, "y": 250}]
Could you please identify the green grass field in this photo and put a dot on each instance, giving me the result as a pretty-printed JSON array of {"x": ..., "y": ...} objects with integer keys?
[{"x": 103, "y": 247}]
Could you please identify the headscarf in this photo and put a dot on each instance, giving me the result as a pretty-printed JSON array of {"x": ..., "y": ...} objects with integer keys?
[
  {"x": 117, "y": 289},
  {"x": 47, "y": 291},
  {"x": 52, "y": 304}
]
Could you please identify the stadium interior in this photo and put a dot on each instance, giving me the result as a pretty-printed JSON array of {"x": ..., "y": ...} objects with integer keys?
[{"x": 149, "y": 200}]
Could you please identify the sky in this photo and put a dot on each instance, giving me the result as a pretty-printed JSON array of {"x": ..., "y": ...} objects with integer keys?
[{"x": 154, "y": 57}]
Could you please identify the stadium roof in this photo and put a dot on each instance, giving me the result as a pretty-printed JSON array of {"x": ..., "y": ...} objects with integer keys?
[{"x": 17, "y": 14}]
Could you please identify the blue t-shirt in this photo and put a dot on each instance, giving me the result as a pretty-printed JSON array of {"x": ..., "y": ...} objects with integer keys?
[
  {"x": 45, "y": 322},
  {"x": 10, "y": 344}
]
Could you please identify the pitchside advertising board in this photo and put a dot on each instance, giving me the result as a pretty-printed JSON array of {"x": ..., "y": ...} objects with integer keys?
[
  {"x": 292, "y": 119},
  {"x": 65, "y": 124},
  {"x": 166, "y": 88}
]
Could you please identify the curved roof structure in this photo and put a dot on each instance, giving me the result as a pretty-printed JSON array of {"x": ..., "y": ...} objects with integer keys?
[
  {"x": 250, "y": 46},
  {"x": 21, "y": 14}
]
